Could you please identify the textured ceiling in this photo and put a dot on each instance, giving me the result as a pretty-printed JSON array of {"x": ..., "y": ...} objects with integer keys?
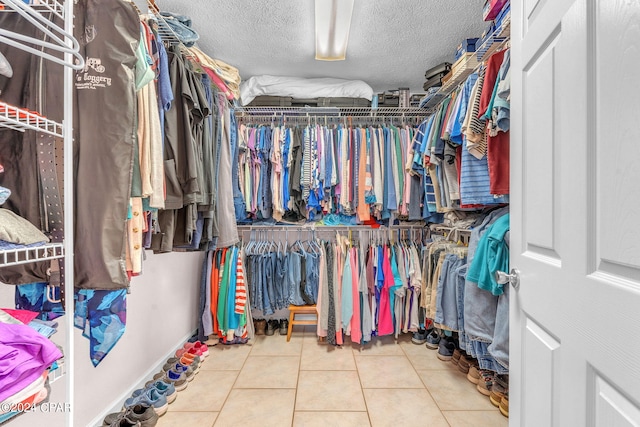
[{"x": 392, "y": 42}]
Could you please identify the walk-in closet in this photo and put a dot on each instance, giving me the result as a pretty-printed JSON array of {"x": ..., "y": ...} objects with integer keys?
[{"x": 319, "y": 212}]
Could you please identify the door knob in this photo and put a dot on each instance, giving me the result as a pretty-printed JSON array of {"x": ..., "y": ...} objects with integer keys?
[{"x": 514, "y": 278}]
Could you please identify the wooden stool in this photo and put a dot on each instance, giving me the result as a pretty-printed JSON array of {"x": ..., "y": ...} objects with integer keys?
[{"x": 300, "y": 309}]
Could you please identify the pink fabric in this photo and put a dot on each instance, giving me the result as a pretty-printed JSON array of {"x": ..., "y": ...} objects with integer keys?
[
  {"x": 218, "y": 81},
  {"x": 24, "y": 356},
  {"x": 385, "y": 321},
  {"x": 356, "y": 329},
  {"x": 323, "y": 270},
  {"x": 338, "y": 295},
  {"x": 25, "y": 316}
]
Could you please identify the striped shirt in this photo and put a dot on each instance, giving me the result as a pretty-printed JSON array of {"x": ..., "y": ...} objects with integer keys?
[{"x": 241, "y": 289}]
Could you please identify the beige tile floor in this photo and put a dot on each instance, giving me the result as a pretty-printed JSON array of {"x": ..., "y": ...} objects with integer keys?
[{"x": 306, "y": 383}]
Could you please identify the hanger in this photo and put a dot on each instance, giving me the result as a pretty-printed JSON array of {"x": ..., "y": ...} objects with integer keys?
[
  {"x": 313, "y": 245},
  {"x": 46, "y": 26}
]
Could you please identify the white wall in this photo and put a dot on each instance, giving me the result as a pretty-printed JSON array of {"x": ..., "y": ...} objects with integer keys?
[{"x": 161, "y": 314}]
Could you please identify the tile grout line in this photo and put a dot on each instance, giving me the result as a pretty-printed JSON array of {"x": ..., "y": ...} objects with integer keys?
[
  {"x": 366, "y": 405},
  {"x": 295, "y": 394},
  {"x": 232, "y": 386},
  {"x": 425, "y": 385}
]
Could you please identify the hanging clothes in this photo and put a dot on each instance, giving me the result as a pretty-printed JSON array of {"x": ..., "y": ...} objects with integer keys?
[{"x": 343, "y": 174}]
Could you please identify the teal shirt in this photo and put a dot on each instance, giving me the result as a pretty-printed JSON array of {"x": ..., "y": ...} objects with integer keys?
[{"x": 491, "y": 255}]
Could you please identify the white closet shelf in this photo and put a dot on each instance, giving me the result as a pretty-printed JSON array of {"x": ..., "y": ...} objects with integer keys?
[
  {"x": 458, "y": 74},
  {"x": 496, "y": 41},
  {"x": 31, "y": 254},
  {"x": 21, "y": 120},
  {"x": 460, "y": 71},
  {"x": 52, "y": 6},
  {"x": 467, "y": 64}
]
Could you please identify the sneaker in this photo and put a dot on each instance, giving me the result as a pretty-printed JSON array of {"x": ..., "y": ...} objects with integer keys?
[
  {"x": 433, "y": 339},
  {"x": 463, "y": 363},
  {"x": 499, "y": 389},
  {"x": 191, "y": 353},
  {"x": 284, "y": 327},
  {"x": 196, "y": 348},
  {"x": 455, "y": 357},
  {"x": 165, "y": 388},
  {"x": 260, "y": 326},
  {"x": 124, "y": 422},
  {"x": 446, "y": 349},
  {"x": 178, "y": 379},
  {"x": 474, "y": 374},
  {"x": 203, "y": 349},
  {"x": 143, "y": 415},
  {"x": 188, "y": 370},
  {"x": 485, "y": 382},
  {"x": 193, "y": 366},
  {"x": 272, "y": 325},
  {"x": 149, "y": 397},
  {"x": 504, "y": 405},
  {"x": 420, "y": 337}
]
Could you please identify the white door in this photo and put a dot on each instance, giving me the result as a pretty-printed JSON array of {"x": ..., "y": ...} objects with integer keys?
[{"x": 575, "y": 211}]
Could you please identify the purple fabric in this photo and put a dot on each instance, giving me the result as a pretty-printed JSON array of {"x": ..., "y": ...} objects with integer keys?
[{"x": 24, "y": 356}]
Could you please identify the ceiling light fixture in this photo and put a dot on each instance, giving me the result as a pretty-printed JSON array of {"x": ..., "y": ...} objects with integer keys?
[{"x": 333, "y": 22}]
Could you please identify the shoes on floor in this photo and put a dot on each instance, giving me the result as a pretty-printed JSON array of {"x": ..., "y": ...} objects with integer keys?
[
  {"x": 284, "y": 327},
  {"x": 455, "y": 357},
  {"x": 124, "y": 422},
  {"x": 272, "y": 325},
  {"x": 164, "y": 388},
  {"x": 195, "y": 348},
  {"x": 504, "y": 405},
  {"x": 136, "y": 415},
  {"x": 186, "y": 358},
  {"x": 171, "y": 362},
  {"x": 178, "y": 379},
  {"x": 446, "y": 348},
  {"x": 149, "y": 397},
  {"x": 433, "y": 339},
  {"x": 179, "y": 367},
  {"x": 420, "y": 337},
  {"x": 485, "y": 382},
  {"x": 260, "y": 326},
  {"x": 463, "y": 363},
  {"x": 499, "y": 389},
  {"x": 474, "y": 372}
]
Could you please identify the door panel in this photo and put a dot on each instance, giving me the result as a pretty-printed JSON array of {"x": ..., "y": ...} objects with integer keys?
[
  {"x": 611, "y": 407},
  {"x": 541, "y": 353},
  {"x": 617, "y": 53},
  {"x": 539, "y": 142},
  {"x": 575, "y": 213}
]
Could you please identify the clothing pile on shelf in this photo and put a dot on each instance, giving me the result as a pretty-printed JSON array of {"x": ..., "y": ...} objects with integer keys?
[
  {"x": 26, "y": 358},
  {"x": 464, "y": 146},
  {"x": 16, "y": 232},
  {"x": 328, "y": 173},
  {"x": 224, "y": 310}
]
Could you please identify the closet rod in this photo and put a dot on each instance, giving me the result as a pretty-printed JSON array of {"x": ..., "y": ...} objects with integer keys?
[
  {"x": 327, "y": 227},
  {"x": 330, "y": 111}
]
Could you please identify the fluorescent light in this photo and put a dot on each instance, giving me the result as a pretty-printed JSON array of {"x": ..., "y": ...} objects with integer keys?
[{"x": 333, "y": 22}]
